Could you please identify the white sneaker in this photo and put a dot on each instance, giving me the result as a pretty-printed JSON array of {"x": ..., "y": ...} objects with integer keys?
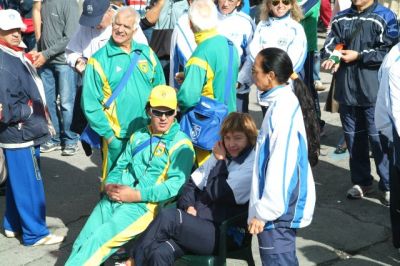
[
  {"x": 49, "y": 240},
  {"x": 319, "y": 86},
  {"x": 10, "y": 234}
]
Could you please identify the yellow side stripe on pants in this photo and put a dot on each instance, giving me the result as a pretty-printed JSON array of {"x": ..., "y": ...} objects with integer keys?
[{"x": 118, "y": 240}]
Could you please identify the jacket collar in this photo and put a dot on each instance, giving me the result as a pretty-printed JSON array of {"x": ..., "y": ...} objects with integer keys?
[
  {"x": 113, "y": 49},
  {"x": 242, "y": 156},
  {"x": 170, "y": 134},
  {"x": 204, "y": 35}
]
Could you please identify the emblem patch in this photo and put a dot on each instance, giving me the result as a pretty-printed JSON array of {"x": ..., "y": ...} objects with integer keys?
[{"x": 143, "y": 66}]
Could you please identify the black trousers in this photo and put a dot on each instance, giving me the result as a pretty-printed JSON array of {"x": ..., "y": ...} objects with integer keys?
[{"x": 172, "y": 234}]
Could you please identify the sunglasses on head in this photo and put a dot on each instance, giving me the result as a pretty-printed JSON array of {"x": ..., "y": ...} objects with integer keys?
[
  {"x": 159, "y": 113},
  {"x": 276, "y": 2}
]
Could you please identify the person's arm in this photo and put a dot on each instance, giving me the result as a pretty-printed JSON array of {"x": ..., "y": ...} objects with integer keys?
[
  {"x": 14, "y": 111},
  {"x": 188, "y": 196},
  {"x": 394, "y": 94},
  {"x": 152, "y": 15},
  {"x": 74, "y": 49},
  {"x": 114, "y": 176},
  {"x": 190, "y": 92},
  {"x": 92, "y": 95},
  {"x": 373, "y": 56},
  {"x": 158, "y": 72},
  {"x": 181, "y": 162},
  {"x": 297, "y": 50},
  {"x": 70, "y": 25},
  {"x": 37, "y": 19}
]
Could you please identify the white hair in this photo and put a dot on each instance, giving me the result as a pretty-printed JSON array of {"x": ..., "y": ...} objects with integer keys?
[
  {"x": 203, "y": 15},
  {"x": 132, "y": 12}
]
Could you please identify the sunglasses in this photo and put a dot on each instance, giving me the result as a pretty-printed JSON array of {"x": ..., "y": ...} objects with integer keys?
[
  {"x": 158, "y": 113},
  {"x": 285, "y": 2}
]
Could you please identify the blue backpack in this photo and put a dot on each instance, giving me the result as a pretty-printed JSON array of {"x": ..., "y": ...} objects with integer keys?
[{"x": 203, "y": 122}]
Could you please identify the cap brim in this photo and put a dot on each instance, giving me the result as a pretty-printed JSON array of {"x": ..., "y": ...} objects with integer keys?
[
  {"x": 90, "y": 21},
  {"x": 18, "y": 26}
]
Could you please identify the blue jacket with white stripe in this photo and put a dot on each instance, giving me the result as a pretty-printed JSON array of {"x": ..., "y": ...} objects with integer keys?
[{"x": 357, "y": 81}]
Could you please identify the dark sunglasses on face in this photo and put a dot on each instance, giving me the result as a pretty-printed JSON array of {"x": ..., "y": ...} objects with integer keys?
[
  {"x": 276, "y": 2},
  {"x": 159, "y": 113}
]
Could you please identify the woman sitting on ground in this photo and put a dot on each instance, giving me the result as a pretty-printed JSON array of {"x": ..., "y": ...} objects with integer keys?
[{"x": 218, "y": 190}]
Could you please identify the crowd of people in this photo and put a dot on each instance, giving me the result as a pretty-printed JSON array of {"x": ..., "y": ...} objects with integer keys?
[{"x": 99, "y": 69}]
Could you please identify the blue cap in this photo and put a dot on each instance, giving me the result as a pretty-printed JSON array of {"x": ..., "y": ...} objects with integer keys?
[{"x": 93, "y": 12}]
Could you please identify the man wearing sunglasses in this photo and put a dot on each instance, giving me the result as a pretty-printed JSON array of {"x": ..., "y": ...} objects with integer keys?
[{"x": 153, "y": 168}]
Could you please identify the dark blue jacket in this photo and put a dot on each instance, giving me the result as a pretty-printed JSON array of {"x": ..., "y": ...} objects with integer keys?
[
  {"x": 19, "y": 125},
  {"x": 357, "y": 82},
  {"x": 216, "y": 202}
]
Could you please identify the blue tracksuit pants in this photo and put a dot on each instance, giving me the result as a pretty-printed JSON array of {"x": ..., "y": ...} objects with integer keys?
[{"x": 25, "y": 198}]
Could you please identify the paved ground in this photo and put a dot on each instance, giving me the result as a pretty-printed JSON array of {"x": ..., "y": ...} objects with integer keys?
[{"x": 343, "y": 232}]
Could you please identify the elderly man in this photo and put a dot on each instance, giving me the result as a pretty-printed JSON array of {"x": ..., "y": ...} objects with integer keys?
[
  {"x": 153, "y": 168},
  {"x": 24, "y": 126},
  {"x": 103, "y": 74},
  {"x": 207, "y": 69},
  {"x": 93, "y": 33}
]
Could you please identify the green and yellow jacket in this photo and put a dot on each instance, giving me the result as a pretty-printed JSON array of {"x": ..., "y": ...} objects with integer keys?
[
  {"x": 158, "y": 169},
  {"x": 103, "y": 74},
  {"x": 206, "y": 71}
]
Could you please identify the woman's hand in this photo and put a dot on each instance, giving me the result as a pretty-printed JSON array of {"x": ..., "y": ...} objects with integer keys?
[
  {"x": 191, "y": 210},
  {"x": 256, "y": 226},
  {"x": 219, "y": 150},
  {"x": 122, "y": 193}
]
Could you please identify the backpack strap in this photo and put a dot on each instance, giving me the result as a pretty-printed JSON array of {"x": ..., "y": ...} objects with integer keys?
[
  {"x": 143, "y": 145},
  {"x": 228, "y": 82},
  {"x": 124, "y": 79}
]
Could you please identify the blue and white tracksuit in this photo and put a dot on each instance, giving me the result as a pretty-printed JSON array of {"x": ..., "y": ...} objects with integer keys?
[
  {"x": 284, "y": 33},
  {"x": 283, "y": 191}
]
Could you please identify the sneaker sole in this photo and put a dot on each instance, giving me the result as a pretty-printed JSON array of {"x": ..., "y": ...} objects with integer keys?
[
  {"x": 68, "y": 153},
  {"x": 50, "y": 150}
]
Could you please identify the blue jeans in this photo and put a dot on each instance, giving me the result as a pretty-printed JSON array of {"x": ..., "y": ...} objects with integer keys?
[
  {"x": 60, "y": 80},
  {"x": 360, "y": 132},
  {"x": 317, "y": 66}
]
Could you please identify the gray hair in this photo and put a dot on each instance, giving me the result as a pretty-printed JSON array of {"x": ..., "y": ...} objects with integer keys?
[
  {"x": 132, "y": 12},
  {"x": 203, "y": 15}
]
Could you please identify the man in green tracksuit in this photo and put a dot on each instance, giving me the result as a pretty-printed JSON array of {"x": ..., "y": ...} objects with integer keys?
[
  {"x": 104, "y": 72},
  {"x": 153, "y": 168},
  {"x": 207, "y": 69}
]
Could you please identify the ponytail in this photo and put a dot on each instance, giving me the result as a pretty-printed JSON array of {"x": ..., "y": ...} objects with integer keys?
[{"x": 310, "y": 120}]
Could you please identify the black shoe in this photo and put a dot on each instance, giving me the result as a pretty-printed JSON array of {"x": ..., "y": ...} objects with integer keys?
[{"x": 340, "y": 149}]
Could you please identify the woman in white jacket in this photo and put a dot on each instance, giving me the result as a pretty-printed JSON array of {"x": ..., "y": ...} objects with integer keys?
[
  {"x": 282, "y": 195},
  {"x": 278, "y": 27}
]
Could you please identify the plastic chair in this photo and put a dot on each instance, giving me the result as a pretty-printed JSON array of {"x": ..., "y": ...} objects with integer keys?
[{"x": 227, "y": 248}]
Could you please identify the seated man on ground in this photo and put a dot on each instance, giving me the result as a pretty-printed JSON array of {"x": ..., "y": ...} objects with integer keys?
[
  {"x": 153, "y": 168},
  {"x": 217, "y": 191}
]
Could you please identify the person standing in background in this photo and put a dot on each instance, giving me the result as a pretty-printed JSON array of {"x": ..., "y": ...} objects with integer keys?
[{"x": 59, "y": 23}]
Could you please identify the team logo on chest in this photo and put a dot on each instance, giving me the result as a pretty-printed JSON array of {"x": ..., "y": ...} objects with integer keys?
[
  {"x": 143, "y": 66},
  {"x": 160, "y": 149}
]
